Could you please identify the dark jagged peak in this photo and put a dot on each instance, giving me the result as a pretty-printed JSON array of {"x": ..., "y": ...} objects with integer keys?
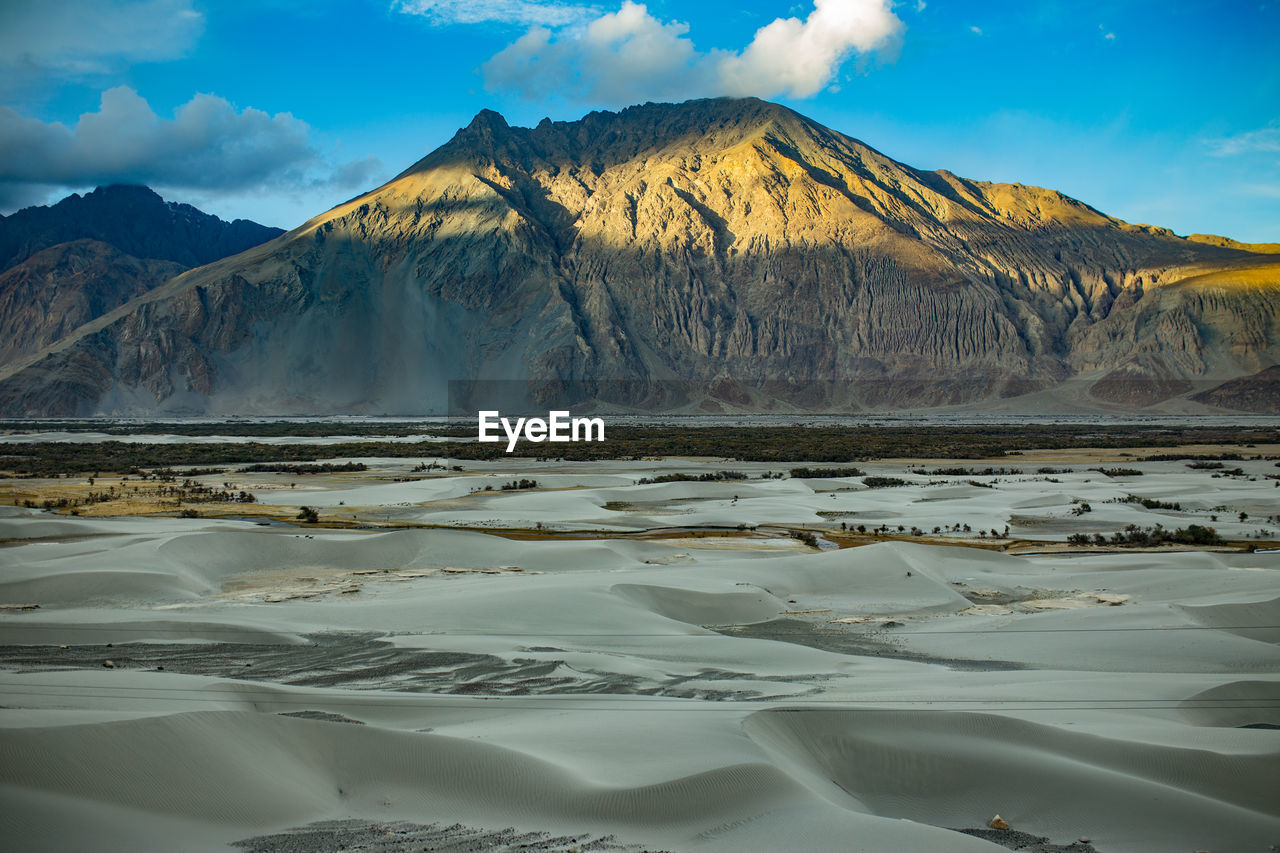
[
  {"x": 488, "y": 126},
  {"x": 489, "y": 119},
  {"x": 133, "y": 219},
  {"x": 117, "y": 194}
]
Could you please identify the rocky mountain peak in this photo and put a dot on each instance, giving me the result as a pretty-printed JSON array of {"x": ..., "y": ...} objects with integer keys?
[{"x": 606, "y": 138}]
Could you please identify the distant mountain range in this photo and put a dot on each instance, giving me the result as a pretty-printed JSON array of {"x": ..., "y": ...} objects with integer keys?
[{"x": 717, "y": 255}]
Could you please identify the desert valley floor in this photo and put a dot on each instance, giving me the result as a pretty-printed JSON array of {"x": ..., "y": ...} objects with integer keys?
[{"x": 600, "y": 664}]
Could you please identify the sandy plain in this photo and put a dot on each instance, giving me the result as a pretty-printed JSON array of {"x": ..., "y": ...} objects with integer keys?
[{"x": 601, "y": 665}]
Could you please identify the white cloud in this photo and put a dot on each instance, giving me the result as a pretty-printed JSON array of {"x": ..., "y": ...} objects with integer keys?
[
  {"x": 622, "y": 57},
  {"x": 522, "y": 13},
  {"x": 799, "y": 58},
  {"x": 977, "y": 31},
  {"x": 75, "y": 37},
  {"x": 208, "y": 145},
  {"x": 629, "y": 55}
]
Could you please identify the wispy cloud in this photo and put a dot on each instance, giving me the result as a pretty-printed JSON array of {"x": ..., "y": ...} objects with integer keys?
[
  {"x": 1263, "y": 190},
  {"x": 208, "y": 145},
  {"x": 977, "y": 31},
  {"x": 523, "y": 13},
  {"x": 630, "y": 55},
  {"x": 78, "y": 37},
  {"x": 1262, "y": 140}
]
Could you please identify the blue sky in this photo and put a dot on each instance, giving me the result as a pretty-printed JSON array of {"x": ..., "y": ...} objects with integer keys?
[{"x": 275, "y": 110}]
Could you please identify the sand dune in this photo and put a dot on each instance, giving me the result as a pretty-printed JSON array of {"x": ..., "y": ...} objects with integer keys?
[
  {"x": 947, "y": 766},
  {"x": 676, "y": 694}
]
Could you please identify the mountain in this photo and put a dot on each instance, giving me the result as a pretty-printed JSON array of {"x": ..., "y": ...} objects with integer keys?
[
  {"x": 712, "y": 255},
  {"x": 64, "y": 265},
  {"x": 133, "y": 219},
  {"x": 59, "y": 289},
  {"x": 1258, "y": 392}
]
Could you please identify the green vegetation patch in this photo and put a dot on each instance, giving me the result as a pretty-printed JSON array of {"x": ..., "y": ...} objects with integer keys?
[
  {"x": 1134, "y": 536},
  {"x": 766, "y": 444}
]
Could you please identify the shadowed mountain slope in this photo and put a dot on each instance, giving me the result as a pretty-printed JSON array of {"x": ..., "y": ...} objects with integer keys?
[
  {"x": 65, "y": 265},
  {"x": 59, "y": 289}
]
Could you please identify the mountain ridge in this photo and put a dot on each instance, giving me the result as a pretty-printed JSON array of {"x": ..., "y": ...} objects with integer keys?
[
  {"x": 133, "y": 219},
  {"x": 677, "y": 256}
]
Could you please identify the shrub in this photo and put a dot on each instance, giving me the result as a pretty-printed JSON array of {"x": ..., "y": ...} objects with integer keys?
[
  {"x": 708, "y": 477},
  {"x": 1150, "y": 503},
  {"x": 1134, "y": 536},
  {"x": 517, "y": 485},
  {"x": 806, "y": 537},
  {"x": 971, "y": 472},
  {"x": 295, "y": 468},
  {"x": 883, "y": 482},
  {"x": 821, "y": 473}
]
